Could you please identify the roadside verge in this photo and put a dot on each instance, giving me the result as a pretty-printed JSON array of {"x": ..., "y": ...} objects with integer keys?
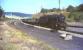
[{"x": 18, "y": 40}]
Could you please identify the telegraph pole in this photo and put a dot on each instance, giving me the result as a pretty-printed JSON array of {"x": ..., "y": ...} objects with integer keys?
[
  {"x": 59, "y": 4},
  {"x": 59, "y": 7}
]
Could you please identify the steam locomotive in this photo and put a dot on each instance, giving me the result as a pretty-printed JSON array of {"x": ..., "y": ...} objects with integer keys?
[{"x": 56, "y": 22}]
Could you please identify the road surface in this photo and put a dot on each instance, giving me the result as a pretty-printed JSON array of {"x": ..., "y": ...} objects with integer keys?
[
  {"x": 51, "y": 38},
  {"x": 75, "y": 24}
]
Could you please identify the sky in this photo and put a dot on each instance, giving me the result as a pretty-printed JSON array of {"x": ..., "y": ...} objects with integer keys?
[{"x": 34, "y": 6}]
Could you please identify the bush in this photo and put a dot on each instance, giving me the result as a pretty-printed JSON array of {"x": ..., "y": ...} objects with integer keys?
[{"x": 76, "y": 16}]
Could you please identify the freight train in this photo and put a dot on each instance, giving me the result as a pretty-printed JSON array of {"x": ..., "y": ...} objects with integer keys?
[{"x": 54, "y": 21}]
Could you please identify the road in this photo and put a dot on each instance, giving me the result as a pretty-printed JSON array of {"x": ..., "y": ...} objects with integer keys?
[
  {"x": 74, "y": 29},
  {"x": 51, "y": 38},
  {"x": 75, "y": 24}
]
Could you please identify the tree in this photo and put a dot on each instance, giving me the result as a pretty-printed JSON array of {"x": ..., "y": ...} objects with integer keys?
[
  {"x": 44, "y": 10},
  {"x": 1, "y": 11},
  {"x": 2, "y": 15},
  {"x": 48, "y": 10},
  {"x": 80, "y": 7},
  {"x": 70, "y": 8},
  {"x": 52, "y": 10}
]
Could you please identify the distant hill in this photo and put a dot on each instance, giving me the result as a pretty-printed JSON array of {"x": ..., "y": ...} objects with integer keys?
[{"x": 18, "y": 14}]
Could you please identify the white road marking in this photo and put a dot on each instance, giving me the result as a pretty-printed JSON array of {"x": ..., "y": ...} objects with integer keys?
[
  {"x": 73, "y": 34},
  {"x": 15, "y": 23}
]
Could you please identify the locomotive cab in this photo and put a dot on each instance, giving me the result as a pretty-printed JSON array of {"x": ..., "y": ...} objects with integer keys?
[{"x": 61, "y": 22}]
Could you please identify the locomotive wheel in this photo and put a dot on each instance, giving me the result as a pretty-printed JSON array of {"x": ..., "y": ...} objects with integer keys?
[
  {"x": 63, "y": 28},
  {"x": 53, "y": 30}
]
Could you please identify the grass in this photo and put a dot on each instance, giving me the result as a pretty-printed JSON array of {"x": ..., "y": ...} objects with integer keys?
[{"x": 17, "y": 40}]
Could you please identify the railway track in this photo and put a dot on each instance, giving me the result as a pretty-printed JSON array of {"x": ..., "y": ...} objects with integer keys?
[{"x": 73, "y": 33}]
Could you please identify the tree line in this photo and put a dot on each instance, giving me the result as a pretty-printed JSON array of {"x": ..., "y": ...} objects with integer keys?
[
  {"x": 70, "y": 8},
  {"x": 75, "y": 13}
]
